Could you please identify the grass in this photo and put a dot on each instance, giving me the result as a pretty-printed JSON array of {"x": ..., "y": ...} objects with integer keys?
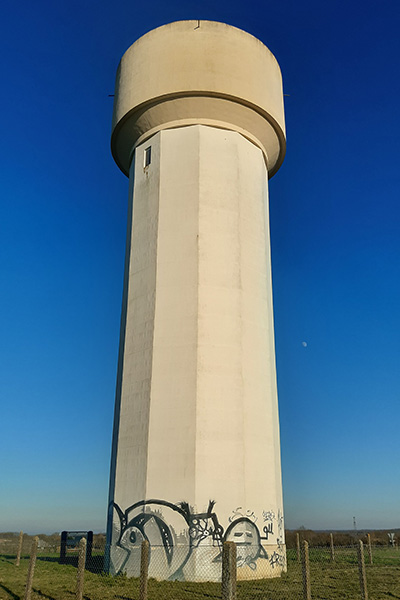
[{"x": 329, "y": 581}]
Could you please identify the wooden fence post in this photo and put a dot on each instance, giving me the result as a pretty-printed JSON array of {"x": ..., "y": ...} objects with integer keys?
[
  {"x": 306, "y": 571},
  {"x": 18, "y": 559},
  {"x": 81, "y": 569},
  {"x": 370, "y": 549},
  {"x": 332, "y": 549},
  {"x": 31, "y": 569},
  {"x": 298, "y": 548},
  {"x": 229, "y": 569},
  {"x": 361, "y": 571},
  {"x": 144, "y": 570}
]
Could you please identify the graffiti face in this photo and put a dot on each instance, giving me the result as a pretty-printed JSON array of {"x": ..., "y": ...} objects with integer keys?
[
  {"x": 154, "y": 521},
  {"x": 246, "y": 536}
]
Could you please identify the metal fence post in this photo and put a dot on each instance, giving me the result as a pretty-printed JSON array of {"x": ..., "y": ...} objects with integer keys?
[
  {"x": 298, "y": 547},
  {"x": 332, "y": 549},
  {"x": 63, "y": 547},
  {"x": 306, "y": 572},
  {"x": 81, "y": 569},
  {"x": 370, "y": 549},
  {"x": 18, "y": 559},
  {"x": 31, "y": 569},
  {"x": 144, "y": 570},
  {"x": 361, "y": 571},
  {"x": 229, "y": 569}
]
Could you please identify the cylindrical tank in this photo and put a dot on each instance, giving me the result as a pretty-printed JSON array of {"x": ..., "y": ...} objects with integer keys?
[
  {"x": 198, "y": 126},
  {"x": 192, "y": 72}
]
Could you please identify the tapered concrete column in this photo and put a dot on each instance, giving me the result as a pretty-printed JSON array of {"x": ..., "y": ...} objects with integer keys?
[{"x": 198, "y": 126}]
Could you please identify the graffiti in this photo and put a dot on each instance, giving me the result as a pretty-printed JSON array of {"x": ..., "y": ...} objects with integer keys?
[
  {"x": 247, "y": 538},
  {"x": 203, "y": 525},
  {"x": 268, "y": 515},
  {"x": 277, "y": 559},
  {"x": 237, "y": 513},
  {"x": 280, "y": 523},
  {"x": 156, "y": 521},
  {"x": 174, "y": 531},
  {"x": 268, "y": 530},
  {"x": 279, "y": 539}
]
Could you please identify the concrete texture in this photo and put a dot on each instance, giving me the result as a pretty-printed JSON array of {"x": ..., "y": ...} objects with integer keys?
[
  {"x": 196, "y": 455},
  {"x": 192, "y": 72}
]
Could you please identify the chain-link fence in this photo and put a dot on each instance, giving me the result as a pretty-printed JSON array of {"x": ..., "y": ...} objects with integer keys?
[{"x": 309, "y": 573}]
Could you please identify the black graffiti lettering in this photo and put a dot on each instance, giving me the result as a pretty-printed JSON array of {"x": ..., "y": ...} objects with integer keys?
[
  {"x": 277, "y": 559},
  {"x": 268, "y": 530}
]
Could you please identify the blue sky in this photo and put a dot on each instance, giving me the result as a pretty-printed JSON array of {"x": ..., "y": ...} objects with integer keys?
[{"x": 335, "y": 230}]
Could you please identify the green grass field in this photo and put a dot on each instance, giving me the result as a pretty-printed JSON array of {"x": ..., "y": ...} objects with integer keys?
[{"x": 329, "y": 581}]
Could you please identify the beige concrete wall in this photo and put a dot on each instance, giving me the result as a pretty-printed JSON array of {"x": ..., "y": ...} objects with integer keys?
[
  {"x": 198, "y": 417},
  {"x": 137, "y": 331},
  {"x": 191, "y": 72}
]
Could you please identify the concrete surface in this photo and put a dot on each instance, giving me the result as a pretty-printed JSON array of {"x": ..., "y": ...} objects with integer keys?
[{"x": 196, "y": 453}]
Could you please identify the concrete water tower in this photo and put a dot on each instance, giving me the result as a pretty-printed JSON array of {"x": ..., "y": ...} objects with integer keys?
[{"x": 198, "y": 127}]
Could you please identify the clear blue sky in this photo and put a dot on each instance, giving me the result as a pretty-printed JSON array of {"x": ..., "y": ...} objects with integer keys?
[{"x": 335, "y": 228}]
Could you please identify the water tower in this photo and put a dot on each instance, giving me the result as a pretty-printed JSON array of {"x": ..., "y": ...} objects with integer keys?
[{"x": 198, "y": 127}]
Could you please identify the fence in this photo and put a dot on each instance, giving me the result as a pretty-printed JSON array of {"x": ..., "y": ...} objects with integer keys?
[{"x": 30, "y": 570}]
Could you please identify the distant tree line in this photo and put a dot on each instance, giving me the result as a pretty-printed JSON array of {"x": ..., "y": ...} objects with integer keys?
[{"x": 341, "y": 538}]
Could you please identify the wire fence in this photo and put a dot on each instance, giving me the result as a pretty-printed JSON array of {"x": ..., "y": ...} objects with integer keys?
[{"x": 33, "y": 569}]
